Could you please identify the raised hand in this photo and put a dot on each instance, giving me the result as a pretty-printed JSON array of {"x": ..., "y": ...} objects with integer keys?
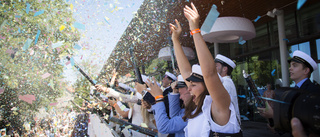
[
  {"x": 140, "y": 87},
  {"x": 101, "y": 88},
  {"x": 192, "y": 16},
  {"x": 175, "y": 29},
  {"x": 173, "y": 86},
  {"x": 155, "y": 89}
]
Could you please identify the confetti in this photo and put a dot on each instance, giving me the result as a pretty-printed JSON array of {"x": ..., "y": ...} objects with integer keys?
[
  {"x": 28, "y": 8},
  {"x": 300, "y": 3},
  {"x": 123, "y": 107},
  {"x": 27, "y": 98},
  {"x": 68, "y": 63},
  {"x": 144, "y": 125},
  {"x": 77, "y": 47},
  {"x": 79, "y": 25},
  {"x": 45, "y": 75},
  {"x": 71, "y": 6},
  {"x": 38, "y": 33},
  {"x": 14, "y": 109},
  {"x": 62, "y": 27},
  {"x": 1, "y": 90},
  {"x": 58, "y": 44},
  {"x": 241, "y": 41},
  {"x": 38, "y": 13},
  {"x": 27, "y": 44},
  {"x": 53, "y": 104},
  {"x": 272, "y": 73},
  {"x": 210, "y": 19},
  {"x": 9, "y": 51},
  {"x": 258, "y": 17}
]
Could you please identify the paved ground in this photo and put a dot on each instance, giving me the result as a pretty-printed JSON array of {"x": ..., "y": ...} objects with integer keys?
[{"x": 258, "y": 129}]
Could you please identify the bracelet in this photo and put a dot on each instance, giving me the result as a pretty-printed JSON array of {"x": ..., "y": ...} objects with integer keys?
[
  {"x": 160, "y": 100},
  {"x": 114, "y": 105},
  {"x": 195, "y": 31},
  {"x": 158, "y": 97}
]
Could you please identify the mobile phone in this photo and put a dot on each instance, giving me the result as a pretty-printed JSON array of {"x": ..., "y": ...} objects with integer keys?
[{"x": 149, "y": 98}]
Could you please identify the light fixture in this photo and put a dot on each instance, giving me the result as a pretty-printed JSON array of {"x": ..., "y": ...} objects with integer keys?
[
  {"x": 230, "y": 29},
  {"x": 165, "y": 53}
]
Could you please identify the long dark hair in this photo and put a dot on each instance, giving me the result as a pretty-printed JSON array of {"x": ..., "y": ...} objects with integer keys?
[{"x": 191, "y": 106}]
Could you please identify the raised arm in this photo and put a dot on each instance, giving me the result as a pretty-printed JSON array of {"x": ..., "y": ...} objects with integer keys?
[
  {"x": 221, "y": 98},
  {"x": 182, "y": 60}
]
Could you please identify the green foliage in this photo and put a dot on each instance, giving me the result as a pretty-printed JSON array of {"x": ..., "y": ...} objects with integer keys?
[
  {"x": 260, "y": 71},
  {"x": 24, "y": 64},
  {"x": 157, "y": 65}
]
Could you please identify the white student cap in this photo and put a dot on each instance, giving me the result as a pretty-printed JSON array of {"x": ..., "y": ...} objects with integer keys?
[
  {"x": 196, "y": 75},
  {"x": 225, "y": 60},
  {"x": 301, "y": 57},
  {"x": 171, "y": 76},
  {"x": 181, "y": 82}
]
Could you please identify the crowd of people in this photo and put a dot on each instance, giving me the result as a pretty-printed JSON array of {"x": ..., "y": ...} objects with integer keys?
[
  {"x": 199, "y": 100},
  {"x": 202, "y": 100}
]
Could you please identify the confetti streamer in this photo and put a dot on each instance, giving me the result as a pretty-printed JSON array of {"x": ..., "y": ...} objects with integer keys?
[
  {"x": 38, "y": 13},
  {"x": 123, "y": 107},
  {"x": 27, "y": 44},
  {"x": 242, "y": 96},
  {"x": 28, "y": 8},
  {"x": 144, "y": 125},
  {"x": 72, "y": 61},
  {"x": 106, "y": 19},
  {"x": 58, "y": 44},
  {"x": 272, "y": 73},
  {"x": 53, "y": 104},
  {"x": 286, "y": 40},
  {"x": 62, "y": 27},
  {"x": 71, "y": 6},
  {"x": 68, "y": 62},
  {"x": 9, "y": 51},
  {"x": 241, "y": 41},
  {"x": 258, "y": 17},
  {"x": 45, "y": 75},
  {"x": 27, "y": 98},
  {"x": 300, "y": 3},
  {"x": 72, "y": 28},
  {"x": 38, "y": 33},
  {"x": 77, "y": 47},
  {"x": 210, "y": 19},
  {"x": 79, "y": 25}
]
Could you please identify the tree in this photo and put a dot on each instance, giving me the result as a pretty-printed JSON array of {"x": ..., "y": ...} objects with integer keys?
[{"x": 34, "y": 37}]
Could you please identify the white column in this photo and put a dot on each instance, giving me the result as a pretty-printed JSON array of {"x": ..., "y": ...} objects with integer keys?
[
  {"x": 283, "y": 49},
  {"x": 216, "y": 49}
]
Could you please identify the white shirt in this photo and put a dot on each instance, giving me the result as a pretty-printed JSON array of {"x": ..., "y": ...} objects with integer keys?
[
  {"x": 231, "y": 127},
  {"x": 231, "y": 88},
  {"x": 195, "y": 125}
]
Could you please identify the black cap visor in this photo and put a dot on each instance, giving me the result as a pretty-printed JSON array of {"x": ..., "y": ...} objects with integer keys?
[
  {"x": 300, "y": 60},
  {"x": 195, "y": 78},
  {"x": 180, "y": 84}
]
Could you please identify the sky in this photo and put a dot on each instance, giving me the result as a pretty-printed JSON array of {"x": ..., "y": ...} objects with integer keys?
[{"x": 104, "y": 21}]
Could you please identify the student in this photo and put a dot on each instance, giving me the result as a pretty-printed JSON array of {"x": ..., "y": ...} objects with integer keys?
[
  {"x": 176, "y": 124},
  {"x": 138, "y": 114},
  {"x": 225, "y": 67},
  {"x": 301, "y": 67},
  {"x": 214, "y": 111}
]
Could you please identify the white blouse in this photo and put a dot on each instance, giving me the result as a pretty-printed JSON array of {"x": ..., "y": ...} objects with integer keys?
[{"x": 231, "y": 127}]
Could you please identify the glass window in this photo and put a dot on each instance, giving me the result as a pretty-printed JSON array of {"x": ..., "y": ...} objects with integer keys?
[{"x": 318, "y": 48}]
